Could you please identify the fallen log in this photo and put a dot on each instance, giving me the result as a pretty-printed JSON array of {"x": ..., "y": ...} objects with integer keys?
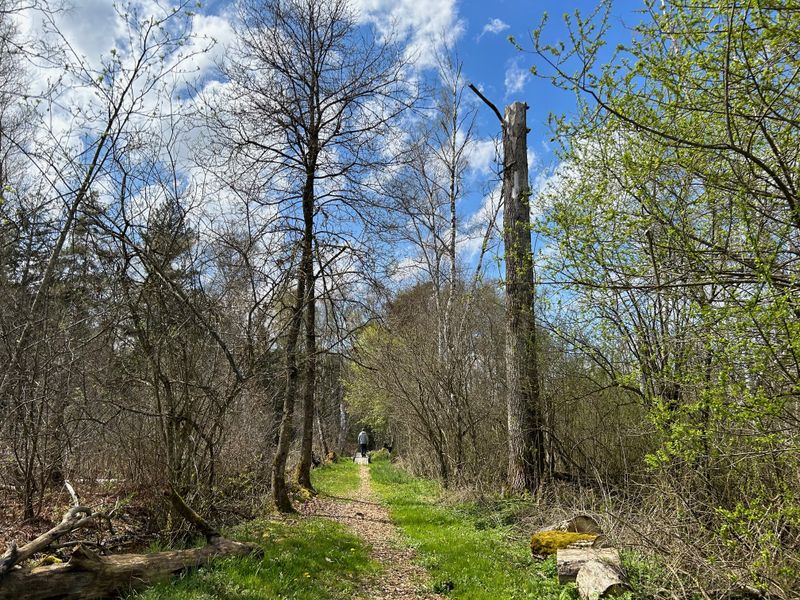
[
  {"x": 184, "y": 510},
  {"x": 569, "y": 561},
  {"x": 75, "y": 518},
  {"x": 583, "y": 524},
  {"x": 597, "y": 579},
  {"x": 88, "y": 576}
]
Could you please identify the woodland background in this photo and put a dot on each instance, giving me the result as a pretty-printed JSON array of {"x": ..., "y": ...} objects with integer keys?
[{"x": 207, "y": 294}]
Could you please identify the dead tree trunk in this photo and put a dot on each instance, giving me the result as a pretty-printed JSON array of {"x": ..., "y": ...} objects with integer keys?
[
  {"x": 74, "y": 518},
  {"x": 526, "y": 452},
  {"x": 88, "y": 576},
  {"x": 525, "y": 438}
]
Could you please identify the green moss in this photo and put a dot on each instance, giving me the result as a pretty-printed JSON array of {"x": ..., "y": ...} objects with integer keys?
[
  {"x": 546, "y": 543},
  {"x": 50, "y": 559}
]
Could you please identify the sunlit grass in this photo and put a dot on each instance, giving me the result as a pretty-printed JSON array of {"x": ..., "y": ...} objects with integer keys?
[
  {"x": 336, "y": 479},
  {"x": 305, "y": 559},
  {"x": 464, "y": 560}
]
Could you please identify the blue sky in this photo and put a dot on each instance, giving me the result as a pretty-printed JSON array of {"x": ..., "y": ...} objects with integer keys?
[
  {"x": 504, "y": 73},
  {"x": 477, "y": 28},
  {"x": 481, "y": 29}
]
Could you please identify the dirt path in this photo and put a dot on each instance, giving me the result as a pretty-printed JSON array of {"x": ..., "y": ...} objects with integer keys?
[{"x": 401, "y": 579}]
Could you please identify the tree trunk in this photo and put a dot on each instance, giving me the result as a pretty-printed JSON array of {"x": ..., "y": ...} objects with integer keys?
[
  {"x": 88, "y": 576},
  {"x": 323, "y": 440},
  {"x": 280, "y": 492},
  {"x": 344, "y": 425},
  {"x": 309, "y": 381},
  {"x": 525, "y": 440}
]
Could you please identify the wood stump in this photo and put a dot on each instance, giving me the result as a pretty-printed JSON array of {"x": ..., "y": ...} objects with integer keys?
[{"x": 597, "y": 579}]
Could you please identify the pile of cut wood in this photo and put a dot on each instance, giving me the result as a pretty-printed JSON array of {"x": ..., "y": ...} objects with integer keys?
[{"x": 583, "y": 557}]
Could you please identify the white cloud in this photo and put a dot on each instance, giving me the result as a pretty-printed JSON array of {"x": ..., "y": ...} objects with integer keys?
[
  {"x": 409, "y": 269},
  {"x": 91, "y": 27},
  {"x": 516, "y": 78},
  {"x": 533, "y": 160},
  {"x": 481, "y": 155},
  {"x": 494, "y": 26},
  {"x": 422, "y": 25}
]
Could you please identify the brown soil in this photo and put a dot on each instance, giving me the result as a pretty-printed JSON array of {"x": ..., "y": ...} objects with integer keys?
[{"x": 402, "y": 579}]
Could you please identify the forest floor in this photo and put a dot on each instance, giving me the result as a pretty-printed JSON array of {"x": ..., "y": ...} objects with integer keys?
[
  {"x": 401, "y": 578},
  {"x": 375, "y": 532}
]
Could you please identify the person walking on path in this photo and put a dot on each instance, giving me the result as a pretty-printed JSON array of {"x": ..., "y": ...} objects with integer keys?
[{"x": 363, "y": 440}]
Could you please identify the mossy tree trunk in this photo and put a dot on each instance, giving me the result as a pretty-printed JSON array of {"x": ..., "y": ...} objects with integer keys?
[
  {"x": 280, "y": 492},
  {"x": 525, "y": 436}
]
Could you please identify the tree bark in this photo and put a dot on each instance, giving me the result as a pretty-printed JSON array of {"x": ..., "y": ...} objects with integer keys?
[
  {"x": 88, "y": 576},
  {"x": 323, "y": 440},
  {"x": 525, "y": 439},
  {"x": 280, "y": 491},
  {"x": 344, "y": 425},
  {"x": 309, "y": 380}
]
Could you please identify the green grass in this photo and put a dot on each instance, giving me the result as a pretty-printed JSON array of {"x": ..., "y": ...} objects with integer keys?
[
  {"x": 468, "y": 554},
  {"x": 304, "y": 559},
  {"x": 336, "y": 479}
]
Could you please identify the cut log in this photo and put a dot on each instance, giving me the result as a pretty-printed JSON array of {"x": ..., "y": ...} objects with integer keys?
[
  {"x": 576, "y": 524},
  {"x": 583, "y": 524},
  {"x": 597, "y": 579},
  {"x": 569, "y": 561},
  {"x": 88, "y": 576}
]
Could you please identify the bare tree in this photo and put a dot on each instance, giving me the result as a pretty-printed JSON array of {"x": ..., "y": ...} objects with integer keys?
[
  {"x": 67, "y": 159},
  {"x": 312, "y": 95}
]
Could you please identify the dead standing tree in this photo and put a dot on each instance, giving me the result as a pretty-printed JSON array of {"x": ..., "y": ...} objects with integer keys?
[{"x": 525, "y": 434}]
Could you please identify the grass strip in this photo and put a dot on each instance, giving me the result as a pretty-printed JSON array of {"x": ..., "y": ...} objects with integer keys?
[{"x": 467, "y": 554}]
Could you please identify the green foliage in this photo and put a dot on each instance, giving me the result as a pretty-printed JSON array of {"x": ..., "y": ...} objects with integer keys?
[
  {"x": 365, "y": 400},
  {"x": 646, "y": 575},
  {"x": 305, "y": 559},
  {"x": 675, "y": 224},
  {"x": 380, "y": 455}
]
